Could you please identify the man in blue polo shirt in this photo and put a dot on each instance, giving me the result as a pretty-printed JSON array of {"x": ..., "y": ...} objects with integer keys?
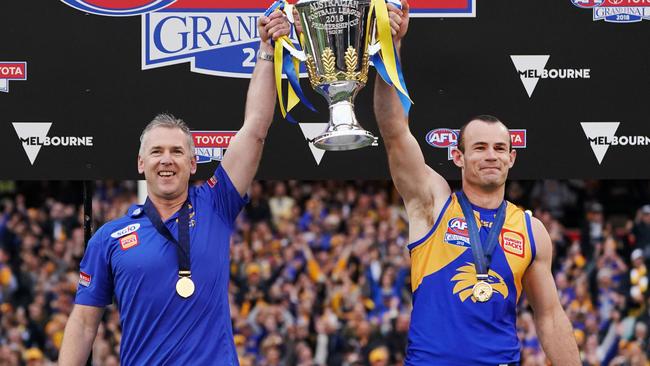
[{"x": 166, "y": 262}]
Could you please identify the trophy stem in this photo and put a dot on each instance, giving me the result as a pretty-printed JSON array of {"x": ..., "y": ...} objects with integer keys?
[
  {"x": 336, "y": 47},
  {"x": 343, "y": 131}
]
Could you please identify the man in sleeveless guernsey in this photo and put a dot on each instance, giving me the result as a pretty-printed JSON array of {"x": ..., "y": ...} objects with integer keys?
[
  {"x": 468, "y": 275},
  {"x": 166, "y": 263}
]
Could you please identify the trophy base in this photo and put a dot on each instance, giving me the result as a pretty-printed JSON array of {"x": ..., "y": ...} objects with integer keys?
[{"x": 344, "y": 140}]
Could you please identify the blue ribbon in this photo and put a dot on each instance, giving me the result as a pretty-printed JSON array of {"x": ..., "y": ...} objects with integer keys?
[
  {"x": 290, "y": 71},
  {"x": 482, "y": 259},
  {"x": 275, "y": 5},
  {"x": 381, "y": 69},
  {"x": 183, "y": 242}
]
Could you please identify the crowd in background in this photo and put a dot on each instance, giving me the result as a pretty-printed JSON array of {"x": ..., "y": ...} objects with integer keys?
[{"x": 320, "y": 274}]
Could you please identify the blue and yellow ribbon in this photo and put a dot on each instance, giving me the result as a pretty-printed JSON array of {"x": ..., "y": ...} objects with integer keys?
[
  {"x": 286, "y": 63},
  {"x": 386, "y": 61}
]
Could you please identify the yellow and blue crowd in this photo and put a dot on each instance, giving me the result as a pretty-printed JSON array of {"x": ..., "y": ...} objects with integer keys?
[{"x": 320, "y": 274}]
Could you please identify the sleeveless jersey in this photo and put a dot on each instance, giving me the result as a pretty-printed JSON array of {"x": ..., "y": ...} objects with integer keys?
[{"x": 448, "y": 326}]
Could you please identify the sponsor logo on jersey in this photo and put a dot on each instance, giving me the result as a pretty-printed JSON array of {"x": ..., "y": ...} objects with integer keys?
[
  {"x": 84, "y": 279},
  {"x": 127, "y": 230},
  {"x": 457, "y": 233},
  {"x": 10, "y": 71},
  {"x": 129, "y": 241},
  {"x": 512, "y": 242},
  {"x": 212, "y": 181}
]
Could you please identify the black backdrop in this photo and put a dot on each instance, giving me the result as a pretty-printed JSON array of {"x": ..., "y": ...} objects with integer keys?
[{"x": 85, "y": 76}]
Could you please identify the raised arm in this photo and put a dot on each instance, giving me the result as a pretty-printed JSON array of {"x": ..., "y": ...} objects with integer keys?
[
  {"x": 245, "y": 150},
  {"x": 424, "y": 191},
  {"x": 79, "y": 335},
  {"x": 553, "y": 326}
]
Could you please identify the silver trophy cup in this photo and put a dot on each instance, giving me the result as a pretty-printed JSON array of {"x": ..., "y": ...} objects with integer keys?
[{"x": 337, "y": 63}]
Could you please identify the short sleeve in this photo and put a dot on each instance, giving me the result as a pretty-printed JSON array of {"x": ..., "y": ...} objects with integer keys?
[
  {"x": 227, "y": 200},
  {"x": 95, "y": 286}
]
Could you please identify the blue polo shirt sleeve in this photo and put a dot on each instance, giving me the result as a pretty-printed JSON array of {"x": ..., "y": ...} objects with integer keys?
[
  {"x": 227, "y": 201},
  {"x": 95, "y": 286}
]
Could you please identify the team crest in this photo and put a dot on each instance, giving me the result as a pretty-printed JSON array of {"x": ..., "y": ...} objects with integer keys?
[
  {"x": 192, "y": 216},
  {"x": 466, "y": 279}
]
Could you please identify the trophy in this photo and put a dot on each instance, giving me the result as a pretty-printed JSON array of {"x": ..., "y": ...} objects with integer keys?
[{"x": 336, "y": 45}]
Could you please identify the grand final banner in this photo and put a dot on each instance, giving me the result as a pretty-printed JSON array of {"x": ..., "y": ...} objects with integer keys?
[{"x": 79, "y": 79}]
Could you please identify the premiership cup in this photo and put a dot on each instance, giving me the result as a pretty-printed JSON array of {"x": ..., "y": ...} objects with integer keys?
[{"x": 336, "y": 45}]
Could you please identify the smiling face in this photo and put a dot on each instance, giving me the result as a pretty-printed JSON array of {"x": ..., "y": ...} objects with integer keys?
[
  {"x": 166, "y": 161},
  {"x": 487, "y": 155}
]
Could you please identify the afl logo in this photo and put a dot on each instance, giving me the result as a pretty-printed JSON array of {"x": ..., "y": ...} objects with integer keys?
[
  {"x": 118, "y": 8},
  {"x": 457, "y": 226},
  {"x": 442, "y": 138},
  {"x": 587, "y": 4}
]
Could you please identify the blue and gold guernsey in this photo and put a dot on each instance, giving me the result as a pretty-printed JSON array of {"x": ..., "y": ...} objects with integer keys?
[{"x": 448, "y": 327}]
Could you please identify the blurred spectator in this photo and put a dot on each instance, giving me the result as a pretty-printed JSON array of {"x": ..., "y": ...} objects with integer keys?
[
  {"x": 554, "y": 196},
  {"x": 593, "y": 230},
  {"x": 638, "y": 279},
  {"x": 641, "y": 231}
]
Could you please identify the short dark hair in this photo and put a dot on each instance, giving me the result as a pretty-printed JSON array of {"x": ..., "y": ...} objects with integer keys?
[{"x": 483, "y": 118}]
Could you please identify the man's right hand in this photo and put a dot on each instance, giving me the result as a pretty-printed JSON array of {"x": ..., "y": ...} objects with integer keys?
[{"x": 399, "y": 20}]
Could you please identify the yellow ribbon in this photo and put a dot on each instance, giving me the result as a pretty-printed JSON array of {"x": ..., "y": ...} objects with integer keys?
[
  {"x": 277, "y": 62},
  {"x": 386, "y": 42},
  {"x": 292, "y": 98}
]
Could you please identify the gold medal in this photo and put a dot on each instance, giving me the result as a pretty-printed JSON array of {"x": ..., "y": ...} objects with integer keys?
[
  {"x": 185, "y": 287},
  {"x": 482, "y": 291}
]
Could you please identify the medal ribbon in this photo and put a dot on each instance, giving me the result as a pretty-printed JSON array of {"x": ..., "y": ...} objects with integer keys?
[
  {"x": 183, "y": 242},
  {"x": 286, "y": 62},
  {"x": 482, "y": 259}
]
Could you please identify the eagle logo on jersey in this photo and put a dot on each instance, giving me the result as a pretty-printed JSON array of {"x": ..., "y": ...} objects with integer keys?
[
  {"x": 466, "y": 279},
  {"x": 192, "y": 214}
]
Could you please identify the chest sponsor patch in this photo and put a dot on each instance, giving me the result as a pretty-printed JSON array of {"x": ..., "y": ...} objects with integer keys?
[
  {"x": 125, "y": 231},
  {"x": 84, "y": 279},
  {"x": 129, "y": 241},
  {"x": 513, "y": 242}
]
